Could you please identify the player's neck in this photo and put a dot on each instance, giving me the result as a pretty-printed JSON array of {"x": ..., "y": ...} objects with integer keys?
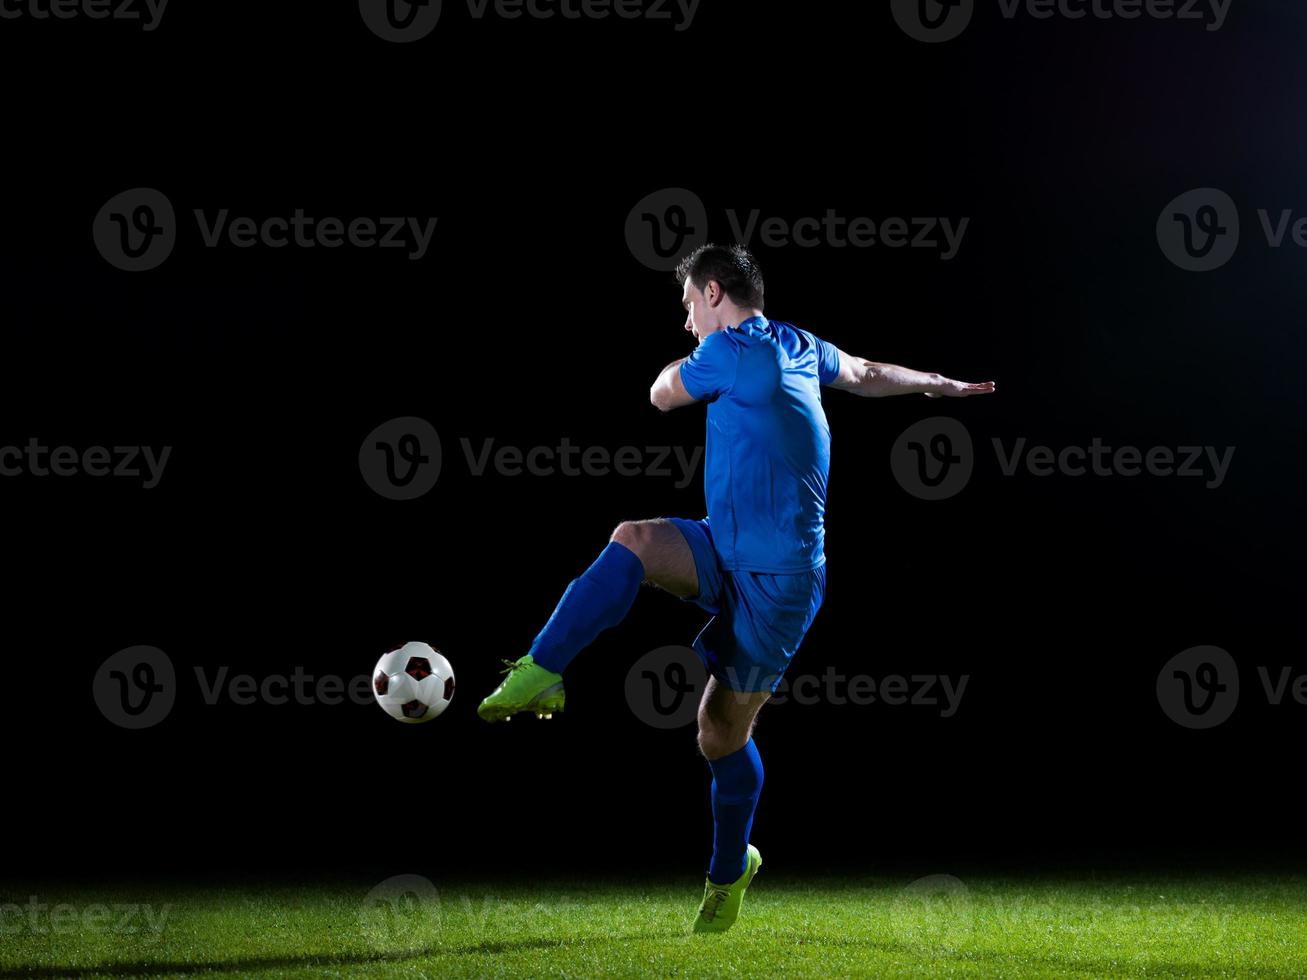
[{"x": 737, "y": 317}]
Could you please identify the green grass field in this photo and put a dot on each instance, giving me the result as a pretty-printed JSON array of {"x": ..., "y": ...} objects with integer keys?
[{"x": 939, "y": 926}]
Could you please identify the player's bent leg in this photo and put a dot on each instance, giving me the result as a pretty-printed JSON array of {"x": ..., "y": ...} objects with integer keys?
[
  {"x": 663, "y": 551},
  {"x": 639, "y": 551},
  {"x": 726, "y": 720}
]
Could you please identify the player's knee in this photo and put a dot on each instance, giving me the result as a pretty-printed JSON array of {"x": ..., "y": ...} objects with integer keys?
[
  {"x": 636, "y": 535},
  {"x": 718, "y": 739},
  {"x": 709, "y": 745}
]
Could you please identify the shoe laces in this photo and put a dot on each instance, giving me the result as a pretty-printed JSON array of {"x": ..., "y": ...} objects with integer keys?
[
  {"x": 512, "y": 665},
  {"x": 713, "y": 900}
]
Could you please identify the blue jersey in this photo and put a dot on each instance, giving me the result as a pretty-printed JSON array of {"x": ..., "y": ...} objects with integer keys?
[{"x": 768, "y": 447}]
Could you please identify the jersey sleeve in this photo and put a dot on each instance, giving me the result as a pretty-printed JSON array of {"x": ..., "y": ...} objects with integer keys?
[
  {"x": 709, "y": 372},
  {"x": 828, "y": 361},
  {"x": 828, "y": 357}
]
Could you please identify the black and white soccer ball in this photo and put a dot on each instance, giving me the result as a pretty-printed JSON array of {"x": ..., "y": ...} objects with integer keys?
[{"x": 413, "y": 683}]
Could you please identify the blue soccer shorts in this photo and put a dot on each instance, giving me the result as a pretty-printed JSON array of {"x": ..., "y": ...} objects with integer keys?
[{"x": 759, "y": 618}]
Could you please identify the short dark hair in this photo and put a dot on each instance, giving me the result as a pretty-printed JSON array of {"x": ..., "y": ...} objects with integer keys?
[{"x": 730, "y": 265}]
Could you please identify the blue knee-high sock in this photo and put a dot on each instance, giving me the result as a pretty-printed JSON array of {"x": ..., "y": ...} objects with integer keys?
[
  {"x": 600, "y": 598},
  {"x": 737, "y": 781}
]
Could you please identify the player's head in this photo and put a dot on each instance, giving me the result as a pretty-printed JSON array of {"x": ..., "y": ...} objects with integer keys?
[{"x": 721, "y": 285}]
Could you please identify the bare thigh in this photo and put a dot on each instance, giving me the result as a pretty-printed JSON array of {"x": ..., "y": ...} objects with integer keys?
[{"x": 666, "y": 556}]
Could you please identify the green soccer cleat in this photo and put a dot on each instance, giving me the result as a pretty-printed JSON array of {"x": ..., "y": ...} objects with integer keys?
[
  {"x": 721, "y": 903},
  {"x": 528, "y": 687}
]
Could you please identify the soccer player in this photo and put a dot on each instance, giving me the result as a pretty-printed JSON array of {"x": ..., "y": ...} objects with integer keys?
[{"x": 756, "y": 563}]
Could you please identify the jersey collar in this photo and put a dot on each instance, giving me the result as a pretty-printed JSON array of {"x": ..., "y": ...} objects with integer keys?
[{"x": 753, "y": 325}]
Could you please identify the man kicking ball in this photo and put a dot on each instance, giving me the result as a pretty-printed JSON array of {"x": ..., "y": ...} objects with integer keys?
[{"x": 756, "y": 563}]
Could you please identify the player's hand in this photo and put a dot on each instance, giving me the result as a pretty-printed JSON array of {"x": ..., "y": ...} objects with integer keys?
[{"x": 948, "y": 388}]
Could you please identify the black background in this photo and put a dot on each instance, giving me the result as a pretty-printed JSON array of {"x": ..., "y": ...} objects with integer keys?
[{"x": 262, "y": 549}]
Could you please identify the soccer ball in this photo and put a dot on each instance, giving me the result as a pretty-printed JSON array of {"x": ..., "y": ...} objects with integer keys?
[{"x": 413, "y": 683}]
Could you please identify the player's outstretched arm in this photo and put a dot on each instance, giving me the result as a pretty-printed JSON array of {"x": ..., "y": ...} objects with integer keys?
[
  {"x": 873, "y": 379},
  {"x": 668, "y": 392}
]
